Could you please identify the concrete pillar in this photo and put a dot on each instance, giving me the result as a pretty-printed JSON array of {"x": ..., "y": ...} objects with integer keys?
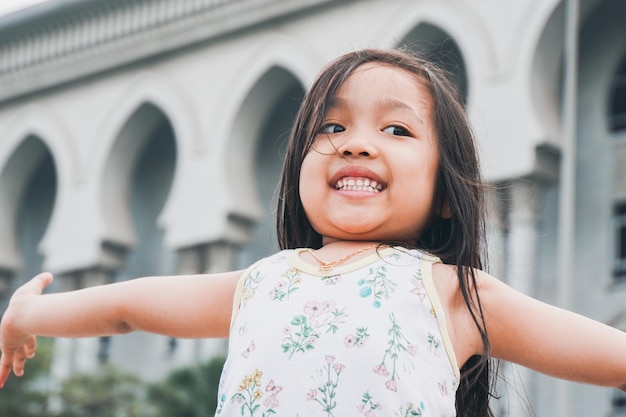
[
  {"x": 209, "y": 258},
  {"x": 6, "y": 287},
  {"x": 82, "y": 355},
  {"x": 496, "y": 231},
  {"x": 523, "y": 198},
  {"x": 77, "y": 355}
]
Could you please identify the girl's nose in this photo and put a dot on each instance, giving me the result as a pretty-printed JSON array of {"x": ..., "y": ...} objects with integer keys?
[
  {"x": 359, "y": 145},
  {"x": 349, "y": 153}
]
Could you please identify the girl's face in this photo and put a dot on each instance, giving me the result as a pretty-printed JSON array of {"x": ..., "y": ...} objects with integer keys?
[{"x": 372, "y": 170}]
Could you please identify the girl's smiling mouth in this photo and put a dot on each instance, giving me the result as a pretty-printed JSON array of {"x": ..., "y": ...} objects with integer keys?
[
  {"x": 358, "y": 184},
  {"x": 355, "y": 178}
]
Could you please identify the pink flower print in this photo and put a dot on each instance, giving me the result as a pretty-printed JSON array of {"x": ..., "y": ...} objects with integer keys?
[
  {"x": 313, "y": 309},
  {"x": 443, "y": 388},
  {"x": 328, "y": 382},
  {"x": 381, "y": 370},
  {"x": 271, "y": 402},
  {"x": 368, "y": 405},
  {"x": 311, "y": 395},
  {"x": 328, "y": 306},
  {"x": 434, "y": 345},
  {"x": 411, "y": 349},
  {"x": 357, "y": 339},
  {"x": 419, "y": 290},
  {"x": 286, "y": 330},
  {"x": 280, "y": 286},
  {"x": 307, "y": 328},
  {"x": 368, "y": 413},
  {"x": 338, "y": 367},
  {"x": 391, "y": 385}
]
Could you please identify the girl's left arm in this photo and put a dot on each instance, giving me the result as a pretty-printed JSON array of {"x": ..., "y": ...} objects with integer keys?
[{"x": 551, "y": 340}]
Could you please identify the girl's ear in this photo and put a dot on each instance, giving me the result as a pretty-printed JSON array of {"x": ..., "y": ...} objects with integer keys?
[{"x": 444, "y": 210}]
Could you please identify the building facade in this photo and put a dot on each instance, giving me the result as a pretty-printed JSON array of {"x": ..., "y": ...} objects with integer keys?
[{"x": 144, "y": 137}]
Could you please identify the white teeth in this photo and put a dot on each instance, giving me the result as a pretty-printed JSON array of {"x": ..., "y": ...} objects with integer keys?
[{"x": 358, "y": 184}]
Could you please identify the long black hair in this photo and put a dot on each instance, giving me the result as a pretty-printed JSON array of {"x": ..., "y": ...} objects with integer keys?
[{"x": 457, "y": 239}]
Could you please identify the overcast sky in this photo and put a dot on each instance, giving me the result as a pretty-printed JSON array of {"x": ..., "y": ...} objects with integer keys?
[{"x": 8, "y": 6}]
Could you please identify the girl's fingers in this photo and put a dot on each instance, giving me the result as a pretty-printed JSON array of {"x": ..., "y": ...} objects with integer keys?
[
  {"x": 36, "y": 285},
  {"x": 30, "y": 347},
  {"x": 19, "y": 359},
  {"x": 6, "y": 364}
]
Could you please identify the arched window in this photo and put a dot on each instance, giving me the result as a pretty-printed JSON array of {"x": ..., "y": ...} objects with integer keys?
[{"x": 617, "y": 109}]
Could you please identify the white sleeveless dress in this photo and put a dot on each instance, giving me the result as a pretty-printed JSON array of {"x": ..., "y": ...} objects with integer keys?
[{"x": 369, "y": 338}]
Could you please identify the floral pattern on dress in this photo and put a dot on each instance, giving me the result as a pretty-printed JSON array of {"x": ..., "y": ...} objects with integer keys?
[
  {"x": 247, "y": 351},
  {"x": 434, "y": 345},
  {"x": 357, "y": 339},
  {"x": 377, "y": 285},
  {"x": 410, "y": 410},
  {"x": 335, "y": 335},
  {"x": 368, "y": 406},
  {"x": 327, "y": 382},
  {"x": 399, "y": 350},
  {"x": 331, "y": 279},
  {"x": 287, "y": 284},
  {"x": 418, "y": 285},
  {"x": 250, "y": 284},
  {"x": 305, "y": 329},
  {"x": 250, "y": 396}
]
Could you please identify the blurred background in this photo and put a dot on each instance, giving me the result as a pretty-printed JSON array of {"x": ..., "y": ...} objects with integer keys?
[{"x": 143, "y": 137}]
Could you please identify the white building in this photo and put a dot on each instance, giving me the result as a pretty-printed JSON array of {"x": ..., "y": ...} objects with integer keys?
[{"x": 143, "y": 137}]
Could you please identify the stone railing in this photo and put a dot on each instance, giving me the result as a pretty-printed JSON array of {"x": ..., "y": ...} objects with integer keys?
[{"x": 64, "y": 40}]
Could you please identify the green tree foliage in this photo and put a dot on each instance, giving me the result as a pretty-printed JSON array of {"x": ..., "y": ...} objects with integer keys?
[
  {"x": 107, "y": 392},
  {"x": 26, "y": 396},
  {"x": 188, "y": 392}
]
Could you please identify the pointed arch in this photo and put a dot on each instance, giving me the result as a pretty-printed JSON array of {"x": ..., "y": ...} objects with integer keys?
[
  {"x": 151, "y": 99},
  {"x": 127, "y": 148},
  {"x": 34, "y": 134},
  {"x": 432, "y": 22},
  {"x": 277, "y": 69},
  {"x": 16, "y": 176}
]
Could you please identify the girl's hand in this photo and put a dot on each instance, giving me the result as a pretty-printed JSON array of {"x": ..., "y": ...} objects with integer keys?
[{"x": 17, "y": 346}]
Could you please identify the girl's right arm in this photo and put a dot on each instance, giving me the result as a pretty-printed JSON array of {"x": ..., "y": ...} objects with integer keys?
[{"x": 178, "y": 306}]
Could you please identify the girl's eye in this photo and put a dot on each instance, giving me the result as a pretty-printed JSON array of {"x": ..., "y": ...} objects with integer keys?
[
  {"x": 332, "y": 128},
  {"x": 397, "y": 131}
]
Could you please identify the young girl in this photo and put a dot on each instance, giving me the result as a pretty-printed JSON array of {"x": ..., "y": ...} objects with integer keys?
[{"x": 376, "y": 305}]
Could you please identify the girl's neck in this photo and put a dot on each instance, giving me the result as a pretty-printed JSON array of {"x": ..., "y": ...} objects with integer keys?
[
  {"x": 339, "y": 253},
  {"x": 338, "y": 248}
]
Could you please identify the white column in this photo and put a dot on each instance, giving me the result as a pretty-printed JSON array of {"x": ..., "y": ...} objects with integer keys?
[
  {"x": 524, "y": 196},
  {"x": 77, "y": 355},
  {"x": 210, "y": 258}
]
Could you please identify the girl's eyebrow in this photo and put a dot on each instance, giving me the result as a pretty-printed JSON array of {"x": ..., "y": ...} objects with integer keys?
[
  {"x": 388, "y": 103},
  {"x": 393, "y": 104},
  {"x": 337, "y": 102}
]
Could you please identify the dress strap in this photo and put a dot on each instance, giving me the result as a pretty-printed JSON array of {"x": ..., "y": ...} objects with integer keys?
[
  {"x": 426, "y": 269},
  {"x": 239, "y": 290}
]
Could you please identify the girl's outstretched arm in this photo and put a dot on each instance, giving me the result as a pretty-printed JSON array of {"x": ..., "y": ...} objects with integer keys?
[
  {"x": 551, "y": 340},
  {"x": 177, "y": 306}
]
